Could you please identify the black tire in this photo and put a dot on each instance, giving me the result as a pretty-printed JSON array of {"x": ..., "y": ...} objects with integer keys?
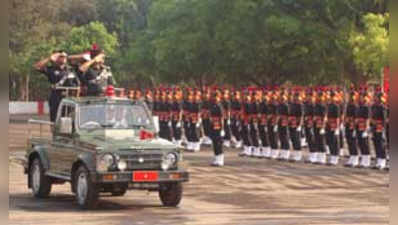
[
  {"x": 87, "y": 195},
  {"x": 119, "y": 193},
  {"x": 41, "y": 188},
  {"x": 170, "y": 194}
]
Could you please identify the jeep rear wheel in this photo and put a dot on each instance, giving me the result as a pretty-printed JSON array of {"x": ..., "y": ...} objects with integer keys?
[
  {"x": 170, "y": 194},
  {"x": 39, "y": 182},
  {"x": 86, "y": 191}
]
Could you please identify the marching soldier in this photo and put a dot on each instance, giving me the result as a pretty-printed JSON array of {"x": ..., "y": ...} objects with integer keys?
[
  {"x": 253, "y": 128},
  {"x": 205, "y": 115},
  {"x": 295, "y": 124},
  {"x": 333, "y": 127},
  {"x": 245, "y": 127},
  {"x": 309, "y": 100},
  {"x": 350, "y": 131},
  {"x": 186, "y": 105},
  {"x": 149, "y": 99},
  {"x": 194, "y": 120},
  {"x": 263, "y": 125},
  {"x": 217, "y": 130},
  {"x": 236, "y": 108},
  {"x": 362, "y": 127},
  {"x": 319, "y": 129},
  {"x": 164, "y": 116},
  {"x": 283, "y": 111},
  {"x": 227, "y": 119},
  {"x": 378, "y": 128},
  {"x": 176, "y": 116},
  {"x": 273, "y": 120}
]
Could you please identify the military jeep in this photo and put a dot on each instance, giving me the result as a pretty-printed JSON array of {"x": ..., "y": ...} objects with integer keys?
[{"x": 104, "y": 145}]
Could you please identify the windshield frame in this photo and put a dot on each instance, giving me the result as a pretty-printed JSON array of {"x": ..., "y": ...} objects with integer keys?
[{"x": 150, "y": 126}]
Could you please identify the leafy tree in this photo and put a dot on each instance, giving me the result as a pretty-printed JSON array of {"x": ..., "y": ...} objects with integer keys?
[{"x": 370, "y": 45}]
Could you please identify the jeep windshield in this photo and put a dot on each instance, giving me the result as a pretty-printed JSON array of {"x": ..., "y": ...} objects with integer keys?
[{"x": 113, "y": 116}]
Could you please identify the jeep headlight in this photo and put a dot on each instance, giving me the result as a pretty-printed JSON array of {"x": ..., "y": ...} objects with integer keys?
[
  {"x": 105, "y": 162},
  {"x": 169, "y": 160}
]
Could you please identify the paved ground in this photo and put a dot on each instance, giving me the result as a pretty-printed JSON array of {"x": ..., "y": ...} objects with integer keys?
[{"x": 245, "y": 191}]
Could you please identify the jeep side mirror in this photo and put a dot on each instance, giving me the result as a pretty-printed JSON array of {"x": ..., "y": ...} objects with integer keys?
[{"x": 65, "y": 125}]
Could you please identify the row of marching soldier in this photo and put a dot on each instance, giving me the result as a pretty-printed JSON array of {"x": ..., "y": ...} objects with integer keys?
[{"x": 277, "y": 122}]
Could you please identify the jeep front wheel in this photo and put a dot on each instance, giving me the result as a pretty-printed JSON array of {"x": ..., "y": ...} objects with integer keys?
[
  {"x": 86, "y": 191},
  {"x": 39, "y": 182},
  {"x": 170, "y": 194}
]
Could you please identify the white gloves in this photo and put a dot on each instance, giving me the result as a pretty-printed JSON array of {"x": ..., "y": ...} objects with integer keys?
[
  {"x": 299, "y": 129},
  {"x": 229, "y": 122},
  {"x": 276, "y": 128},
  {"x": 365, "y": 134},
  {"x": 169, "y": 123},
  {"x": 222, "y": 133},
  {"x": 322, "y": 131},
  {"x": 337, "y": 132},
  {"x": 197, "y": 125},
  {"x": 178, "y": 125}
]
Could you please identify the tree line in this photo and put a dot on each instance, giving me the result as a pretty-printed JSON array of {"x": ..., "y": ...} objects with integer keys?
[{"x": 204, "y": 42}]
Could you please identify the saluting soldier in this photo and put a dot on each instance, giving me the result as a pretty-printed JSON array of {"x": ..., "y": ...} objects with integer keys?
[
  {"x": 263, "y": 124},
  {"x": 283, "y": 111},
  {"x": 362, "y": 126},
  {"x": 333, "y": 127},
  {"x": 95, "y": 74},
  {"x": 378, "y": 122},
  {"x": 217, "y": 130},
  {"x": 273, "y": 120},
  {"x": 350, "y": 131},
  {"x": 56, "y": 73},
  {"x": 295, "y": 123},
  {"x": 236, "y": 109},
  {"x": 319, "y": 129}
]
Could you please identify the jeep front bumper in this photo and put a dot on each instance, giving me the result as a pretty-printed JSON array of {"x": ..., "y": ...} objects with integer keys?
[{"x": 142, "y": 177}]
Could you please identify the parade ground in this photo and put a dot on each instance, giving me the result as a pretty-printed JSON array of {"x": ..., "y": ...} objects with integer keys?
[{"x": 245, "y": 191}]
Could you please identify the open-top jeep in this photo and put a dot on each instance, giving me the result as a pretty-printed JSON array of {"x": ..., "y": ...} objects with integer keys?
[{"x": 104, "y": 144}]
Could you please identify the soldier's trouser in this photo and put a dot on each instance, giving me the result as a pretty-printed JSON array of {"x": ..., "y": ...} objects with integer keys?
[
  {"x": 319, "y": 140},
  {"x": 53, "y": 102},
  {"x": 186, "y": 130},
  {"x": 295, "y": 138},
  {"x": 378, "y": 142},
  {"x": 235, "y": 129},
  {"x": 193, "y": 134},
  {"x": 351, "y": 141},
  {"x": 363, "y": 143},
  {"x": 388, "y": 135},
  {"x": 309, "y": 138},
  {"x": 341, "y": 139},
  {"x": 263, "y": 135},
  {"x": 164, "y": 131},
  {"x": 333, "y": 142},
  {"x": 206, "y": 127},
  {"x": 176, "y": 130},
  {"x": 283, "y": 137},
  {"x": 245, "y": 135},
  {"x": 227, "y": 130},
  {"x": 254, "y": 135},
  {"x": 273, "y": 137},
  {"x": 217, "y": 141}
]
